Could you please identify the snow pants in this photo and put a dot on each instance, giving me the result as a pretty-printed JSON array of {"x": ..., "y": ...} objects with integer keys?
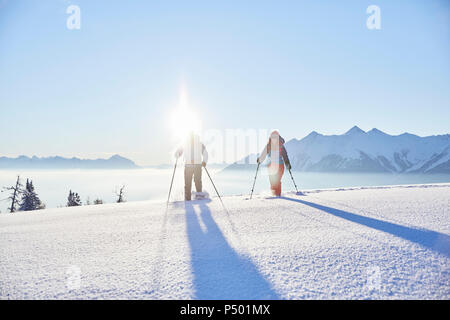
[
  {"x": 275, "y": 174},
  {"x": 192, "y": 170}
]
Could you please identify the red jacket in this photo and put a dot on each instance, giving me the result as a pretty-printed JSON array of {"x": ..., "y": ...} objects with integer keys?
[{"x": 277, "y": 152}]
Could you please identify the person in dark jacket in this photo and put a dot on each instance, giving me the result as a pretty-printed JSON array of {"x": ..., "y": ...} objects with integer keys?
[
  {"x": 195, "y": 156},
  {"x": 278, "y": 159}
]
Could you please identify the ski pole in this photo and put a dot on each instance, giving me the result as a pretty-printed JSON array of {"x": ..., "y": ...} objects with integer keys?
[
  {"x": 171, "y": 183},
  {"x": 254, "y": 180},
  {"x": 213, "y": 185},
  {"x": 225, "y": 208},
  {"x": 293, "y": 180}
]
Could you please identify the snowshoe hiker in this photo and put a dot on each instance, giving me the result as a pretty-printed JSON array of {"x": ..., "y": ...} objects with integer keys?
[
  {"x": 195, "y": 156},
  {"x": 278, "y": 159}
]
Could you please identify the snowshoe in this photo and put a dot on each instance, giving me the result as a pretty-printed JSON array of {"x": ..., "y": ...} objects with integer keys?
[{"x": 200, "y": 195}]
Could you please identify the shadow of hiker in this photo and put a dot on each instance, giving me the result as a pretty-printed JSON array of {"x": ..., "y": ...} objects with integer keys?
[
  {"x": 436, "y": 241},
  {"x": 218, "y": 271}
]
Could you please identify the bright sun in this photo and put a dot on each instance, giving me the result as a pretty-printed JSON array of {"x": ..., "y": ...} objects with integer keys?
[{"x": 183, "y": 119}]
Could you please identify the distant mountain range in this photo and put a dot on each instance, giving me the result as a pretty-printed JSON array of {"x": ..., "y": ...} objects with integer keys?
[
  {"x": 24, "y": 162},
  {"x": 360, "y": 151}
]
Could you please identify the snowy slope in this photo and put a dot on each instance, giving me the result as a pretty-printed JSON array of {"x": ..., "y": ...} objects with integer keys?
[{"x": 359, "y": 243}]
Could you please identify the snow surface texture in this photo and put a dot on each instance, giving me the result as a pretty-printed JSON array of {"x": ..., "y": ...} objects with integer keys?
[{"x": 359, "y": 243}]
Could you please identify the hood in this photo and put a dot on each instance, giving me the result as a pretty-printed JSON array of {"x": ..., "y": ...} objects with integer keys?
[{"x": 275, "y": 134}]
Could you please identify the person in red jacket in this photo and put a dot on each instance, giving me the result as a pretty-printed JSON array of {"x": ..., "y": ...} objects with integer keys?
[{"x": 278, "y": 159}]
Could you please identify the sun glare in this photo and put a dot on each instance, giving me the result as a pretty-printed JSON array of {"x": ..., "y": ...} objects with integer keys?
[{"x": 184, "y": 119}]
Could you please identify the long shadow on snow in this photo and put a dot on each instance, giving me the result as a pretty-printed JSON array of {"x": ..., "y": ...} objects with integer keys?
[
  {"x": 219, "y": 272},
  {"x": 436, "y": 241}
]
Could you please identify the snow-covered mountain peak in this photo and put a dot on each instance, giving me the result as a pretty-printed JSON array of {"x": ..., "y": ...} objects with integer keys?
[
  {"x": 375, "y": 131},
  {"x": 313, "y": 134},
  {"x": 58, "y": 162},
  {"x": 407, "y": 134},
  {"x": 117, "y": 157},
  {"x": 374, "y": 151},
  {"x": 355, "y": 130}
]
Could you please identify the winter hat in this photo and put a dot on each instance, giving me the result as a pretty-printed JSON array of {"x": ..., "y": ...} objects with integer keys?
[{"x": 276, "y": 135}]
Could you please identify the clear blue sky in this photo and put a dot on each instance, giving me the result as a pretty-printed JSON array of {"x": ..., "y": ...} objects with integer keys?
[{"x": 297, "y": 66}]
